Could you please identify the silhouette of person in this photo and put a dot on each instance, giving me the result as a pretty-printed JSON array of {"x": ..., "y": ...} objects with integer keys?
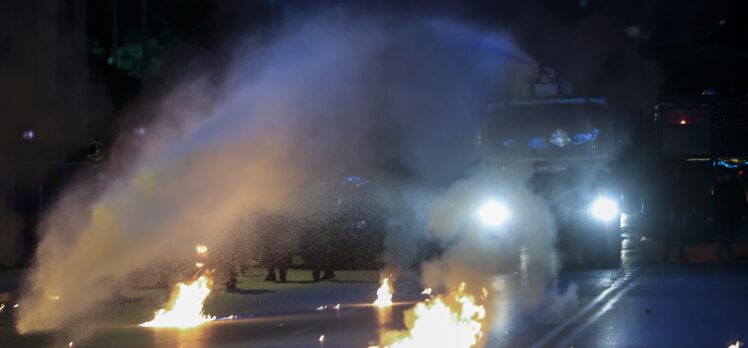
[
  {"x": 729, "y": 207},
  {"x": 679, "y": 206}
]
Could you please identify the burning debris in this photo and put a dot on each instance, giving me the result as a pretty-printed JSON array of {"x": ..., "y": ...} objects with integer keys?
[
  {"x": 384, "y": 294},
  {"x": 455, "y": 320},
  {"x": 185, "y": 308}
]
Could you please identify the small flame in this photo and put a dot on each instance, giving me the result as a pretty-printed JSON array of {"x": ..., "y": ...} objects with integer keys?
[
  {"x": 199, "y": 264},
  {"x": 185, "y": 308},
  {"x": 457, "y": 318},
  {"x": 426, "y": 291},
  {"x": 384, "y": 294},
  {"x": 2, "y": 306},
  {"x": 201, "y": 249},
  {"x": 322, "y": 338},
  {"x": 337, "y": 307},
  {"x": 737, "y": 344}
]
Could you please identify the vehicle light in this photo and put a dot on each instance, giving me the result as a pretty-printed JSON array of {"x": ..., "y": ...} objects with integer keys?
[
  {"x": 604, "y": 209},
  {"x": 492, "y": 213}
]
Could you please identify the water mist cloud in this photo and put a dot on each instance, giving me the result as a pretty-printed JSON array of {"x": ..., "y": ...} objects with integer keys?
[
  {"x": 474, "y": 253},
  {"x": 301, "y": 106}
]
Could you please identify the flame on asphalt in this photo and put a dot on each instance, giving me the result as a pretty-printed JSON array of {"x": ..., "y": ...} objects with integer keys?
[
  {"x": 384, "y": 294},
  {"x": 185, "y": 308},
  {"x": 455, "y": 320}
]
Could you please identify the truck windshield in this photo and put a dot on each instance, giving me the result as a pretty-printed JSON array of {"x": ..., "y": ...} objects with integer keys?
[{"x": 546, "y": 131}]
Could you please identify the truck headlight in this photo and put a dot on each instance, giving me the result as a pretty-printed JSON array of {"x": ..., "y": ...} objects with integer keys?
[
  {"x": 604, "y": 209},
  {"x": 492, "y": 213}
]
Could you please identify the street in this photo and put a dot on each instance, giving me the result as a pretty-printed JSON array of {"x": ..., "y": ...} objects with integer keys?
[
  {"x": 672, "y": 305},
  {"x": 644, "y": 304},
  {"x": 379, "y": 174}
]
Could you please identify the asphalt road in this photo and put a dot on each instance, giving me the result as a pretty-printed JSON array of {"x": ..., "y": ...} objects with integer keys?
[
  {"x": 665, "y": 305},
  {"x": 640, "y": 305}
]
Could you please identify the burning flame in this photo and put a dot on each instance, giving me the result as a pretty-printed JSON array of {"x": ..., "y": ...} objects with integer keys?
[
  {"x": 737, "y": 344},
  {"x": 384, "y": 294},
  {"x": 185, "y": 308},
  {"x": 446, "y": 321}
]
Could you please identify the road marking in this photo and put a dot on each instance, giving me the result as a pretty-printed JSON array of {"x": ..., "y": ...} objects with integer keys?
[
  {"x": 618, "y": 284},
  {"x": 566, "y": 342}
]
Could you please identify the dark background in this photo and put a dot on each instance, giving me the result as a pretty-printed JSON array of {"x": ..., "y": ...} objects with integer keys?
[{"x": 73, "y": 71}]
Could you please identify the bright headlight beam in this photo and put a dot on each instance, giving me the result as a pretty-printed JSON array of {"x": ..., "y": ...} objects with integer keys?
[
  {"x": 493, "y": 213},
  {"x": 604, "y": 209}
]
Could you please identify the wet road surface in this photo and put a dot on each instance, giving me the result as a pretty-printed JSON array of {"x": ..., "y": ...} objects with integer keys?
[
  {"x": 655, "y": 305},
  {"x": 681, "y": 305}
]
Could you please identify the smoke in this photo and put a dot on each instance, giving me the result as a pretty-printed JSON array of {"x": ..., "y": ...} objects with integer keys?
[
  {"x": 306, "y": 104},
  {"x": 476, "y": 254},
  {"x": 559, "y": 304}
]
